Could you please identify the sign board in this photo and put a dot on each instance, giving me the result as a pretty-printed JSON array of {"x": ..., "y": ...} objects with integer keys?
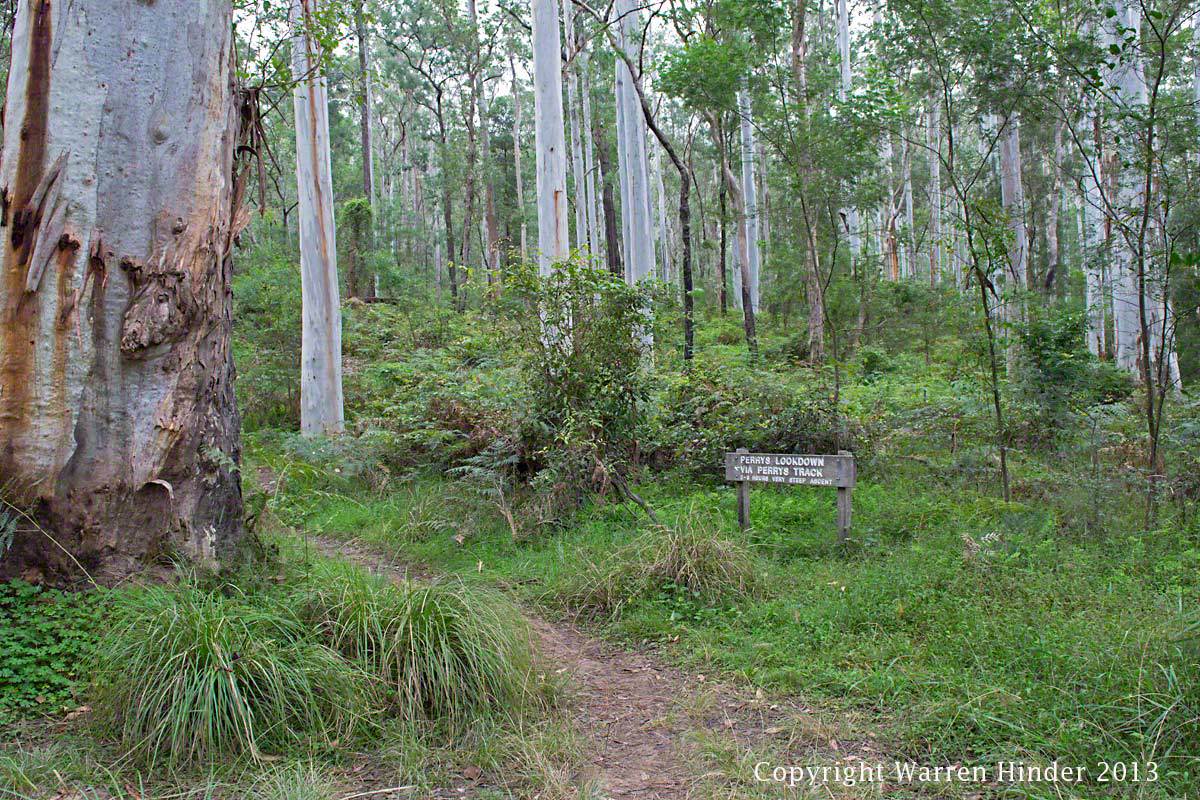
[{"x": 790, "y": 469}]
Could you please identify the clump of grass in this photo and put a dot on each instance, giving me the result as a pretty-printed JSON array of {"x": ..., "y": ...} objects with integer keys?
[
  {"x": 186, "y": 676},
  {"x": 692, "y": 555},
  {"x": 440, "y": 650},
  {"x": 298, "y": 781}
]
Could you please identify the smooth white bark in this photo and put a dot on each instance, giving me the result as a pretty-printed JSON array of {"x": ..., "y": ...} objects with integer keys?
[
  {"x": 640, "y": 245},
  {"x": 589, "y": 159},
  {"x": 577, "y": 165},
  {"x": 853, "y": 220},
  {"x": 935, "y": 192},
  {"x": 1012, "y": 198},
  {"x": 550, "y": 140},
  {"x": 321, "y": 408},
  {"x": 1127, "y": 84},
  {"x": 517, "y": 169},
  {"x": 750, "y": 193}
]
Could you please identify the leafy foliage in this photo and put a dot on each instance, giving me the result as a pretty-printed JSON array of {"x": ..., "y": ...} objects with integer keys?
[{"x": 46, "y": 638}]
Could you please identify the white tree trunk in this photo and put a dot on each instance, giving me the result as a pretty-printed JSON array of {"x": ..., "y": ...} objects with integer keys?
[
  {"x": 935, "y": 193},
  {"x": 118, "y": 424},
  {"x": 589, "y": 159},
  {"x": 853, "y": 222},
  {"x": 750, "y": 193},
  {"x": 636, "y": 203},
  {"x": 516, "y": 134},
  {"x": 1128, "y": 86},
  {"x": 908, "y": 268},
  {"x": 1093, "y": 232},
  {"x": 582, "y": 236},
  {"x": 1012, "y": 198},
  {"x": 550, "y": 141},
  {"x": 321, "y": 410},
  {"x": 662, "y": 224}
]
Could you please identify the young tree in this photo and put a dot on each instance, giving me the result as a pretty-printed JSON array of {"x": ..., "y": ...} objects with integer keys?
[
  {"x": 118, "y": 424},
  {"x": 321, "y": 411}
]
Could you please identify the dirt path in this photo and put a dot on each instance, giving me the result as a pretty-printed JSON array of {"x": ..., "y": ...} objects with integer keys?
[{"x": 640, "y": 714}]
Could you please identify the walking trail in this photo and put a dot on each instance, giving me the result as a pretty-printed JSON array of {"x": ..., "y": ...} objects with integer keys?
[{"x": 642, "y": 716}]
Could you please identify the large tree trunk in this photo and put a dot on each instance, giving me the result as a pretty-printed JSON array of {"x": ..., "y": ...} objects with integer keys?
[
  {"x": 118, "y": 424},
  {"x": 1054, "y": 279},
  {"x": 550, "y": 151},
  {"x": 321, "y": 339}
]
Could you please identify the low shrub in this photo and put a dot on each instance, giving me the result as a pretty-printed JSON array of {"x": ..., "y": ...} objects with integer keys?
[
  {"x": 186, "y": 676},
  {"x": 45, "y": 638},
  {"x": 439, "y": 650}
]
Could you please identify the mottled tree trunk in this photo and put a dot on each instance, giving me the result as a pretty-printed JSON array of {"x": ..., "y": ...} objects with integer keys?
[
  {"x": 118, "y": 424},
  {"x": 321, "y": 409}
]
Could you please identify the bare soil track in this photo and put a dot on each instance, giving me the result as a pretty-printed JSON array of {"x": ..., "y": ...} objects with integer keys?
[{"x": 639, "y": 714}]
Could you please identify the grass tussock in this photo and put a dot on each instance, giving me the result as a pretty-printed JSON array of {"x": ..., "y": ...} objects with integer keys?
[
  {"x": 187, "y": 675},
  {"x": 438, "y": 651},
  {"x": 692, "y": 555}
]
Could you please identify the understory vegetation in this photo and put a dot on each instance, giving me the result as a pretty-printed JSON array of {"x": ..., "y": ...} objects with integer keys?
[{"x": 968, "y": 629}]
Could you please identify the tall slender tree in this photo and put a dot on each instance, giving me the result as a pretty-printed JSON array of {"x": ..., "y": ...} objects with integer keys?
[{"x": 321, "y": 407}]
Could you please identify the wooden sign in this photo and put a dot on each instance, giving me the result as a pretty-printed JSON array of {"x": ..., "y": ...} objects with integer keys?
[{"x": 790, "y": 469}]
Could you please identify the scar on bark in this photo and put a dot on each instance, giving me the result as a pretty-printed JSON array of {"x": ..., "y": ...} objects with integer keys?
[{"x": 162, "y": 306}]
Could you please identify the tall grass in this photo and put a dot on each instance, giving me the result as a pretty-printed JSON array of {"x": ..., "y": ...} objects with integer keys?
[
  {"x": 187, "y": 675},
  {"x": 692, "y": 554},
  {"x": 441, "y": 650}
]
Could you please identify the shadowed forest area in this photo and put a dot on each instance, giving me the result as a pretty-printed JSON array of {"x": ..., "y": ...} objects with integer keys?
[{"x": 740, "y": 399}]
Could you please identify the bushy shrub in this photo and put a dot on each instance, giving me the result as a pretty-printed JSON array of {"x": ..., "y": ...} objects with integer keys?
[
  {"x": 188, "y": 675},
  {"x": 1057, "y": 377}
]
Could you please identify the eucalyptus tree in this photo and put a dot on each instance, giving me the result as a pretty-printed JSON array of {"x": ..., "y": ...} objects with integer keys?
[
  {"x": 118, "y": 423},
  {"x": 550, "y": 152},
  {"x": 321, "y": 404}
]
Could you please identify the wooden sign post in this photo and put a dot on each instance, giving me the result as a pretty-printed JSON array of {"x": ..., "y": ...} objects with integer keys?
[{"x": 788, "y": 469}]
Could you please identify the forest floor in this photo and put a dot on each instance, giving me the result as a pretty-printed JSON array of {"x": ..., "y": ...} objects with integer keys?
[{"x": 650, "y": 729}]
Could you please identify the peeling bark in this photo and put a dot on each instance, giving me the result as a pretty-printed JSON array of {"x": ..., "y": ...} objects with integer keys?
[{"x": 118, "y": 424}]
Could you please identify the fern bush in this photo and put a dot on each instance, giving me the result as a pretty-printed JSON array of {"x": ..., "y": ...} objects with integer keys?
[{"x": 188, "y": 676}]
